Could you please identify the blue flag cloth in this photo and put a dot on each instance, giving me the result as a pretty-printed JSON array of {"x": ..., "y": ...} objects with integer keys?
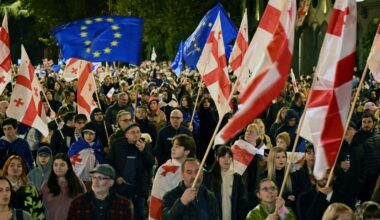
[
  {"x": 194, "y": 44},
  {"x": 106, "y": 38},
  {"x": 177, "y": 65},
  {"x": 56, "y": 68}
]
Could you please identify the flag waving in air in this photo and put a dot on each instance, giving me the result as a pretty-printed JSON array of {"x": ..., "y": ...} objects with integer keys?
[
  {"x": 268, "y": 59},
  {"x": 374, "y": 56},
  {"x": 330, "y": 95},
  {"x": 25, "y": 104},
  {"x": 5, "y": 55},
  {"x": 86, "y": 89},
  {"x": 212, "y": 66}
]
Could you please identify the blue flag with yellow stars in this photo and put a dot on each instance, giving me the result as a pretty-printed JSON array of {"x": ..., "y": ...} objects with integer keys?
[
  {"x": 105, "y": 38},
  {"x": 177, "y": 65},
  {"x": 194, "y": 44}
]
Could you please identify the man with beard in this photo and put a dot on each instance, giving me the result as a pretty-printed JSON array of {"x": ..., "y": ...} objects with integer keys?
[{"x": 186, "y": 202}]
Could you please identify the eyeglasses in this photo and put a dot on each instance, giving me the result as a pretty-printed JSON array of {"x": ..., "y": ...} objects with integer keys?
[
  {"x": 99, "y": 178},
  {"x": 126, "y": 120},
  {"x": 176, "y": 117},
  {"x": 269, "y": 188}
]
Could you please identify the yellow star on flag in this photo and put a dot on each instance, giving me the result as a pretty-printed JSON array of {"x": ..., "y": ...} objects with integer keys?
[
  {"x": 87, "y": 42},
  {"x": 117, "y": 35},
  {"x": 114, "y": 43},
  {"x": 210, "y": 24},
  {"x": 88, "y": 50},
  {"x": 109, "y": 19},
  {"x": 98, "y": 19},
  {"x": 83, "y": 34},
  {"x": 83, "y": 27},
  {"x": 115, "y": 27},
  {"x": 107, "y": 50},
  {"x": 96, "y": 54},
  {"x": 88, "y": 21}
]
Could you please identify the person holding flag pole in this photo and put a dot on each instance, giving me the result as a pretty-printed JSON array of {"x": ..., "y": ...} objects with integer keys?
[{"x": 55, "y": 118}]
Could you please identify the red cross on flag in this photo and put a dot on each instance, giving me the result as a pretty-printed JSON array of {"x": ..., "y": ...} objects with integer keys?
[
  {"x": 239, "y": 49},
  {"x": 212, "y": 66},
  {"x": 168, "y": 176},
  {"x": 268, "y": 59},
  {"x": 86, "y": 89},
  {"x": 327, "y": 110},
  {"x": 5, "y": 55},
  {"x": 25, "y": 104},
  {"x": 72, "y": 67},
  {"x": 374, "y": 56}
]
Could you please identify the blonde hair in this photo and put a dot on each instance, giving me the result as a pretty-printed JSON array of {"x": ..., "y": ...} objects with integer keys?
[
  {"x": 279, "y": 120},
  {"x": 254, "y": 127},
  {"x": 272, "y": 167},
  {"x": 334, "y": 211}
]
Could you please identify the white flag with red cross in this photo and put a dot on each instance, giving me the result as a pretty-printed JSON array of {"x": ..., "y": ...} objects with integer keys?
[
  {"x": 72, "y": 69},
  {"x": 168, "y": 176},
  {"x": 239, "y": 49},
  {"x": 5, "y": 55},
  {"x": 374, "y": 57},
  {"x": 327, "y": 110},
  {"x": 25, "y": 104},
  {"x": 268, "y": 59},
  {"x": 212, "y": 66},
  {"x": 86, "y": 89}
]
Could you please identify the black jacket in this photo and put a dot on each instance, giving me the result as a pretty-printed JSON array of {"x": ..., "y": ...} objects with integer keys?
[
  {"x": 59, "y": 145},
  {"x": 173, "y": 209}
]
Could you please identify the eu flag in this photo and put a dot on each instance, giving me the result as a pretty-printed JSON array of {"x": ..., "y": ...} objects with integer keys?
[
  {"x": 177, "y": 65},
  {"x": 105, "y": 38},
  {"x": 194, "y": 44}
]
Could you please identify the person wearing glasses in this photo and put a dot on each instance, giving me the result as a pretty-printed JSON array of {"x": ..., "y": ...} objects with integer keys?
[
  {"x": 61, "y": 188},
  {"x": 123, "y": 119},
  {"x": 132, "y": 160},
  {"x": 271, "y": 206},
  {"x": 101, "y": 202}
]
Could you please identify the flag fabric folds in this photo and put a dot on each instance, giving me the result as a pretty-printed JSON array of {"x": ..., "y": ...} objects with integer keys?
[
  {"x": 243, "y": 153},
  {"x": 72, "y": 67},
  {"x": 153, "y": 56},
  {"x": 374, "y": 56},
  {"x": 193, "y": 46},
  {"x": 5, "y": 55},
  {"x": 177, "y": 65},
  {"x": 212, "y": 66},
  {"x": 25, "y": 103},
  {"x": 86, "y": 89},
  {"x": 331, "y": 91},
  {"x": 168, "y": 176},
  {"x": 106, "y": 38},
  {"x": 268, "y": 59}
]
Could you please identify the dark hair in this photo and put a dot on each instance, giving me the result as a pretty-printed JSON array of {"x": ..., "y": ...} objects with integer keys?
[
  {"x": 68, "y": 92},
  {"x": 372, "y": 211},
  {"x": 74, "y": 184},
  {"x": 216, "y": 176},
  {"x": 68, "y": 117},
  {"x": 10, "y": 185},
  {"x": 80, "y": 117},
  {"x": 187, "y": 142},
  {"x": 258, "y": 186},
  {"x": 368, "y": 115},
  {"x": 188, "y": 160},
  {"x": 10, "y": 121}
]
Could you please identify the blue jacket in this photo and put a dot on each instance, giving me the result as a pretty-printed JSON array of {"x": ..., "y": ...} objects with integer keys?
[{"x": 18, "y": 147}]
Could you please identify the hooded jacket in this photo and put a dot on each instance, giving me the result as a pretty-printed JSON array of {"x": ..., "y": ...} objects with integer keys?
[{"x": 40, "y": 174}]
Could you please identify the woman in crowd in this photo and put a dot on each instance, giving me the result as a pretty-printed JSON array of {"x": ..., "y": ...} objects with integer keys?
[
  {"x": 270, "y": 207},
  {"x": 187, "y": 108},
  {"x": 338, "y": 211},
  {"x": 265, "y": 139},
  {"x": 54, "y": 104},
  {"x": 25, "y": 196},
  {"x": 305, "y": 174},
  {"x": 61, "y": 188},
  {"x": 155, "y": 114},
  {"x": 6, "y": 209},
  {"x": 280, "y": 118},
  {"x": 41, "y": 173},
  {"x": 227, "y": 186},
  {"x": 59, "y": 91}
]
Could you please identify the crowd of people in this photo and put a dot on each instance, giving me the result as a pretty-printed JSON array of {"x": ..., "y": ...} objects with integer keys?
[{"x": 139, "y": 153}]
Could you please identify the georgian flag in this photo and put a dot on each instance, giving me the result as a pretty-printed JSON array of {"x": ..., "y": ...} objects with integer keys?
[
  {"x": 244, "y": 153},
  {"x": 86, "y": 89},
  {"x": 5, "y": 55},
  {"x": 374, "y": 56}
]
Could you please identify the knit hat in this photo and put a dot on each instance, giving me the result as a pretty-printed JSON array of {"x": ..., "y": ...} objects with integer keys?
[
  {"x": 105, "y": 169},
  {"x": 284, "y": 136},
  {"x": 89, "y": 127},
  {"x": 44, "y": 150}
]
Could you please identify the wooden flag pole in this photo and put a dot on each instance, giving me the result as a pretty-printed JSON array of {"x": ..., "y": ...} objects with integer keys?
[
  {"x": 100, "y": 106},
  {"x": 55, "y": 118},
  {"x": 348, "y": 122}
]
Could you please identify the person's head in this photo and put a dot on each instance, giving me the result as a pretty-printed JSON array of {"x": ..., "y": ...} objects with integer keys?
[
  {"x": 69, "y": 96},
  {"x": 281, "y": 115},
  {"x": 3, "y": 106},
  {"x": 124, "y": 118},
  {"x": 62, "y": 168},
  {"x": 140, "y": 112},
  {"x": 44, "y": 155},
  {"x": 266, "y": 191},
  {"x": 124, "y": 85},
  {"x": 370, "y": 107},
  {"x": 132, "y": 133},
  {"x": 10, "y": 128},
  {"x": 283, "y": 140},
  {"x": 5, "y": 192},
  {"x": 351, "y": 131},
  {"x": 166, "y": 96},
  {"x": 15, "y": 168},
  {"x": 277, "y": 158},
  {"x": 79, "y": 121},
  {"x": 133, "y": 95},
  {"x": 89, "y": 132},
  {"x": 153, "y": 104},
  {"x": 370, "y": 210},
  {"x": 261, "y": 125},
  {"x": 69, "y": 119},
  {"x": 310, "y": 154},
  {"x": 63, "y": 111},
  {"x": 97, "y": 115},
  {"x": 252, "y": 133},
  {"x": 368, "y": 122},
  {"x": 183, "y": 146},
  {"x": 323, "y": 181},
  {"x": 50, "y": 95},
  {"x": 176, "y": 118},
  {"x": 103, "y": 178},
  {"x": 298, "y": 98},
  {"x": 122, "y": 99},
  {"x": 186, "y": 101},
  {"x": 224, "y": 157},
  {"x": 338, "y": 211},
  {"x": 189, "y": 171},
  {"x": 291, "y": 118}
]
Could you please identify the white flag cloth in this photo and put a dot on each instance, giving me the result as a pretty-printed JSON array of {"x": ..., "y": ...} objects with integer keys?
[
  {"x": 72, "y": 69},
  {"x": 168, "y": 177},
  {"x": 86, "y": 89},
  {"x": 374, "y": 57},
  {"x": 5, "y": 55},
  {"x": 212, "y": 65},
  {"x": 244, "y": 153},
  {"x": 25, "y": 104},
  {"x": 327, "y": 109},
  {"x": 153, "y": 56}
]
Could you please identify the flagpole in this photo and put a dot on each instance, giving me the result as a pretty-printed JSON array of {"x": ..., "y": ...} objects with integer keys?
[
  {"x": 296, "y": 140},
  {"x": 100, "y": 106},
  {"x": 348, "y": 121},
  {"x": 196, "y": 102},
  {"x": 55, "y": 118}
]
